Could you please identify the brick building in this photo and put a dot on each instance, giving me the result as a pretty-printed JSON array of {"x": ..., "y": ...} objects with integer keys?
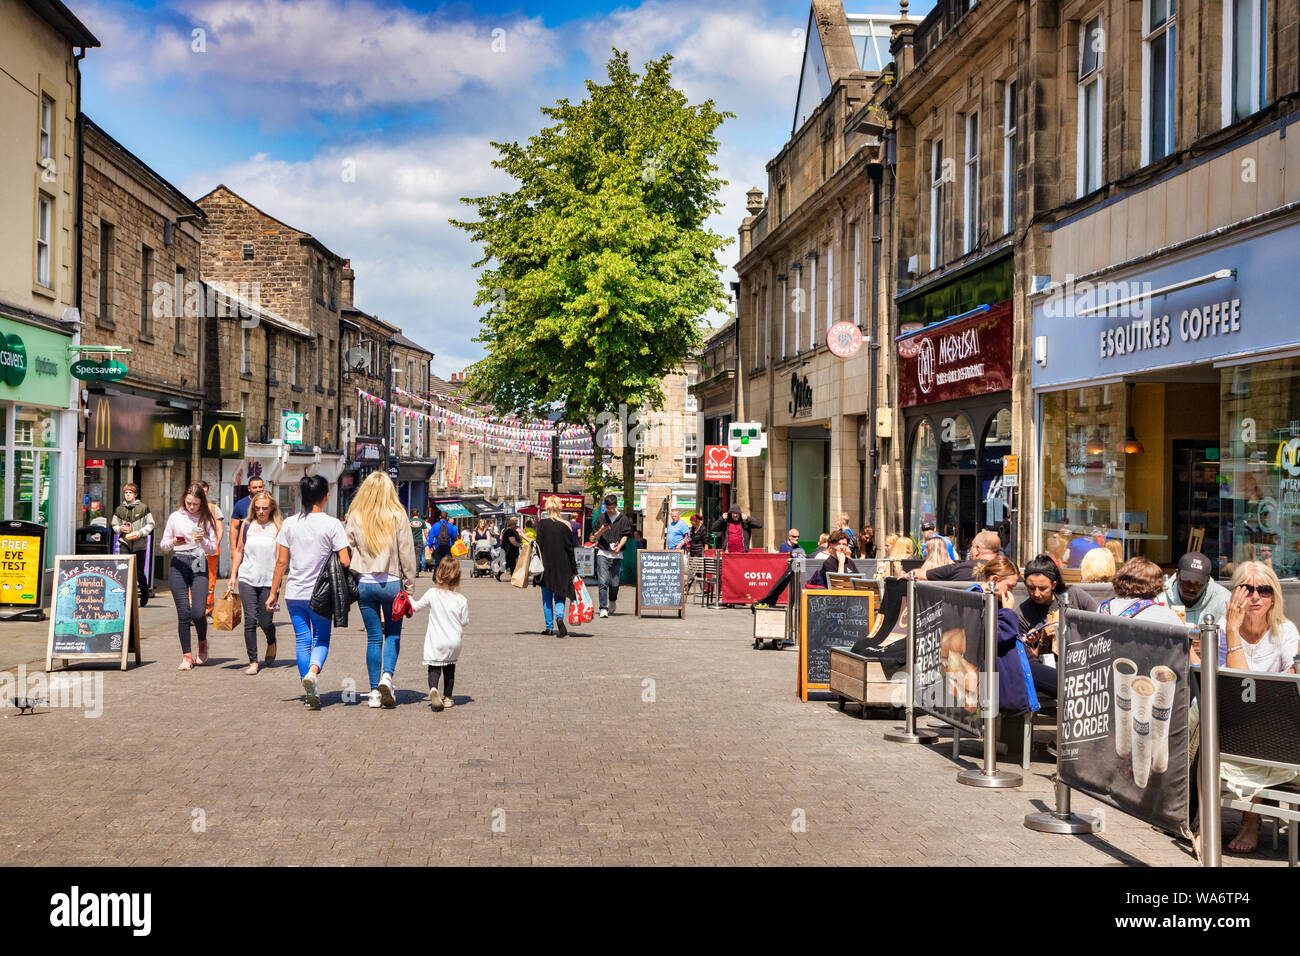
[
  {"x": 287, "y": 343},
  {"x": 140, "y": 291}
]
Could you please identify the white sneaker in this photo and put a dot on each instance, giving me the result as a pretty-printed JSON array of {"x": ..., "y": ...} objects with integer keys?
[
  {"x": 373, "y": 700},
  {"x": 604, "y": 613},
  {"x": 386, "y": 696},
  {"x": 311, "y": 690}
]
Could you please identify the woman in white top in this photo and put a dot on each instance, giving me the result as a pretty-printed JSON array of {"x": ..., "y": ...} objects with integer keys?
[
  {"x": 383, "y": 554},
  {"x": 189, "y": 536},
  {"x": 304, "y": 544},
  {"x": 448, "y": 618},
  {"x": 1255, "y": 637},
  {"x": 252, "y": 568}
]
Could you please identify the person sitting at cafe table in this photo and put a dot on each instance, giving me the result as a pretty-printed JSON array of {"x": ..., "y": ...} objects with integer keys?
[
  {"x": 1255, "y": 636},
  {"x": 1192, "y": 589},
  {"x": 791, "y": 542},
  {"x": 838, "y": 562},
  {"x": 1039, "y": 615},
  {"x": 984, "y": 546},
  {"x": 1015, "y": 686}
]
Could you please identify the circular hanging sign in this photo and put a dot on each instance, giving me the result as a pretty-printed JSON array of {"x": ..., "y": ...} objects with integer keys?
[
  {"x": 844, "y": 339},
  {"x": 94, "y": 370},
  {"x": 393, "y": 472},
  {"x": 13, "y": 360}
]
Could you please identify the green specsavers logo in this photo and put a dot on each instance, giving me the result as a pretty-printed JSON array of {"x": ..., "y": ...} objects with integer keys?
[{"x": 13, "y": 360}]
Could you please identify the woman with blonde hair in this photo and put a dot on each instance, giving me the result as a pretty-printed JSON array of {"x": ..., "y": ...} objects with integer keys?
[
  {"x": 383, "y": 553},
  {"x": 1256, "y": 636},
  {"x": 1097, "y": 567},
  {"x": 937, "y": 558},
  {"x": 559, "y": 565},
  {"x": 252, "y": 568},
  {"x": 902, "y": 547}
]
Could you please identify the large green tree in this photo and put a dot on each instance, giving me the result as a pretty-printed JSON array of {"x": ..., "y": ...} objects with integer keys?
[{"x": 597, "y": 269}]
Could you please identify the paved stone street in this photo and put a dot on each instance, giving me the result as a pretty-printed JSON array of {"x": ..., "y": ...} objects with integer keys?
[{"x": 635, "y": 742}]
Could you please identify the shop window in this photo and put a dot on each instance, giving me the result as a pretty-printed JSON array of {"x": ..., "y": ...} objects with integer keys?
[
  {"x": 35, "y": 467},
  {"x": 996, "y": 445},
  {"x": 1083, "y": 468},
  {"x": 924, "y": 477},
  {"x": 956, "y": 443}
]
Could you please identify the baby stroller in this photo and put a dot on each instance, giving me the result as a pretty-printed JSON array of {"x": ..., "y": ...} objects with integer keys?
[{"x": 482, "y": 558}]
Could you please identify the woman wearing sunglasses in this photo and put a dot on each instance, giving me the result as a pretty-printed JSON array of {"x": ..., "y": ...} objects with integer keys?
[
  {"x": 252, "y": 567},
  {"x": 1255, "y": 637}
]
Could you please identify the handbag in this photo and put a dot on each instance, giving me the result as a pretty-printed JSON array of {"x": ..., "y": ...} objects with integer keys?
[
  {"x": 535, "y": 564},
  {"x": 402, "y": 606},
  {"x": 226, "y": 612}
]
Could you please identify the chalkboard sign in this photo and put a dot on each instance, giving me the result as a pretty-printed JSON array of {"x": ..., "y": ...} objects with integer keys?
[
  {"x": 830, "y": 619},
  {"x": 659, "y": 576},
  {"x": 95, "y": 611}
]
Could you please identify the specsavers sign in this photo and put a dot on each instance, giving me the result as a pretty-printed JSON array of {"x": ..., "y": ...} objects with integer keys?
[
  {"x": 21, "y": 543},
  {"x": 33, "y": 365}
]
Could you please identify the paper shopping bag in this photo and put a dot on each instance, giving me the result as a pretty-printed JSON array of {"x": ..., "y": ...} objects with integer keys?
[{"x": 226, "y": 612}]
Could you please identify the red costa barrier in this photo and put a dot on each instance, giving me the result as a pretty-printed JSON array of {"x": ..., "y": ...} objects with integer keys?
[{"x": 747, "y": 577}]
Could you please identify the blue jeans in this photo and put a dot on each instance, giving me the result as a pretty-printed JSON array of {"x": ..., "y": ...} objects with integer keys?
[
  {"x": 383, "y": 633},
  {"x": 609, "y": 571},
  {"x": 552, "y": 604},
  {"x": 312, "y": 634}
]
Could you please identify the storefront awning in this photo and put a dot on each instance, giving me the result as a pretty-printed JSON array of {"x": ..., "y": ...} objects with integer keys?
[{"x": 453, "y": 509}]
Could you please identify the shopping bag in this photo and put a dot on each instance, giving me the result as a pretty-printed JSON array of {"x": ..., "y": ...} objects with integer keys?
[
  {"x": 226, "y": 612},
  {"x": 459, "y": 549},
  {"x": 519, "y": 577},
  {"x": 576, "y": 607},
  {"x": 588, "y": 608}
]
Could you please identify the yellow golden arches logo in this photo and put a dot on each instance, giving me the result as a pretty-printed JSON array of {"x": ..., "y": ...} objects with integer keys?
[
  {"x": 103, "y": 423},
  {"x": 222, "y": 432},
  {"x": 1288, "y": 457}
]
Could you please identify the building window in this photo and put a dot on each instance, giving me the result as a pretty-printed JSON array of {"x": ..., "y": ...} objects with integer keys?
[
  {"x": 690, "y": 455},
  {"x": 830, "y": 286},
  {"x": 780, "y": 203},
  {"x": 46, "y": 142},
  {"x": 105, "y": 273},
  {"x": 1245, "y": 67},
  {"x": 178, "y": 306},
  {"x": 692, "y": 404},
  {"x": 1009, "y": 118},
  {"x": 44, "y": 216},
  {"x": 971, "y": 188},
  {"x": 248, "y": 250},
  {"x": 146, "y": 292},
  {"x": 936, "y": 204},
  {"x": 1091, "y": 44},
  {"x": 785, "y": 286},
  {"x": 812, "y": 305},
  {"x": 522, "y": 489},
  {"x": 243, "y": 349},
  {"x": 857, "y": 276},
  {"x": 640, "y": 453},
  {"x": 330, "y": 289},
  {"x": 760, "y": 332},
  {"x": 318, "y": 282},
  {"x": 1158, "y": 80},
  {"x": 797, "y": 308},
  {"x": 297, "y": 346}
]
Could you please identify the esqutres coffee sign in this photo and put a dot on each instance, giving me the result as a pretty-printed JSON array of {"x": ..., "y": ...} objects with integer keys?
[{"x": 959, "y": 358}]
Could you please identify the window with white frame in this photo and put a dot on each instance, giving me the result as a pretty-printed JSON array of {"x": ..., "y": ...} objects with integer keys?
[
  {"x": 857, "y": 276},
  {"x": 243, "y": 349},
  {"x": 1245, "y": 58},
  {"x": 44, "y": 217},
  {"x": 785, "y": 285},
  {"x": 178, "y": 307},
  {"x": 692, "y": 403},
  {"x": 47, "y": 127},
  {"x": 936, "y": 204},
  {"x": 640, "y": 453},
  {"x": 971, "y": 186},
  {"x": 1092, "y": 45},
  {"x": 760, "y": 332},
  {"x": 690, "y": 455},
  {"x": 830, "y": 285},
  {"x": 812, "y": 305},
  {"x": 797, "y": 307},
  {"x": 1157, "y": 80},
  {"x": 1009, "y": 123}
]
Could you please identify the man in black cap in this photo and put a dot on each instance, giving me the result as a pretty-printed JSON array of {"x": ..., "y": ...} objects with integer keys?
[
  {"x": 611, "y": 531},
  {"x": 1193, "y": 588}
]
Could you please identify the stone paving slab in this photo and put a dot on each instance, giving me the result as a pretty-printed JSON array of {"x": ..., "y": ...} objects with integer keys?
[{"x": 635, "y": 742}]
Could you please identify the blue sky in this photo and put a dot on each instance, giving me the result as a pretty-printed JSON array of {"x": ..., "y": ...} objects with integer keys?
[{"x": 280, "y": 100}]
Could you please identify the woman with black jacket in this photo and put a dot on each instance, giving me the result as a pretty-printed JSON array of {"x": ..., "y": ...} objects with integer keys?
[{"x": 559, "y": 566}]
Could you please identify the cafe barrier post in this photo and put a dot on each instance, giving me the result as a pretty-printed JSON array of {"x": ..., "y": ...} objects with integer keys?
[
  {"x": 1211, "y": 813},
  {"x": 908, "y": 733},
  {"x": 990, "y": 775},
  {"x": 1061, "y": 820}
]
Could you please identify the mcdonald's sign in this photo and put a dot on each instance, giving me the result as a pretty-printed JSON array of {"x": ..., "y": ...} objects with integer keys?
[
  {"x": 133, "y": 424},
  {"x": 222, "y": 437}
]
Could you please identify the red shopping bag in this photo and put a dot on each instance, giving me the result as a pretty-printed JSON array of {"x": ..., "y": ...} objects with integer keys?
[{"x": 580, "y": 609}]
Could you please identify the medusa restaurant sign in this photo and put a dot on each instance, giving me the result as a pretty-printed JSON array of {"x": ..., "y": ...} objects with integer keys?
[{"x": 956, "y": 359}]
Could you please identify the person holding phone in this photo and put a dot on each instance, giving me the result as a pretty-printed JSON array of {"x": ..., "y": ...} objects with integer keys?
[{"x": 190, "y": 536}]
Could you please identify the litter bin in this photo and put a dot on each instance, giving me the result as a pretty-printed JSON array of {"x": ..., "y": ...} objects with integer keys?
[{"x": 93, "y": 539}]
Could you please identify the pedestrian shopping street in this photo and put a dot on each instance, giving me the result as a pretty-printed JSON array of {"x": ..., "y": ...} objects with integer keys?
[{"x": 634, "y": 741}]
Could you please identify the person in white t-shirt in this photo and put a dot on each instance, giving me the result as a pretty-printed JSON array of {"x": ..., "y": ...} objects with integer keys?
[
  {"x": 448, "y": 618},
  {"x": 304, "y": 544},
  {"x": 252, "y": 568}
]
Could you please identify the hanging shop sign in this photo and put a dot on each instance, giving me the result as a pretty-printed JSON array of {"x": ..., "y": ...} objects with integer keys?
[
  {"x": 135, "y": 425},
  {"x": 717, "y": 463},
  {"x": 368, "y": 449},
  {"x": 92, "y": 370},
  {"x": 956, "y": 359},
  {"x": 844, "y": 339},
  {"x": 222, "y": 437},
  {"x": 453, "y": 464},
  {"x": 291, "y": 427},
  {"x": 746, "y": 439}
]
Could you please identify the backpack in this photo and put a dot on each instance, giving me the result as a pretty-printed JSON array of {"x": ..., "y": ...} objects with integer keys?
[{"x": 444, "y": 537}]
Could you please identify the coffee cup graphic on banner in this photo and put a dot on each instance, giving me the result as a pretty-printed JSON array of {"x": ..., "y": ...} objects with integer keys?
[
  {"x": 1143, "y": 691},
  {"x": 1166, "y": 682},
  {"x": 1125, "y": 670}
]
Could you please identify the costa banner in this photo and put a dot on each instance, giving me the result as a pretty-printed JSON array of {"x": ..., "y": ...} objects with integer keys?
[
  {"x": 949, "y": 655},
  {"x": 1123, "y": 716},
  {"x": 958, "y": 358},
  {"x": 748, "y": 577}
]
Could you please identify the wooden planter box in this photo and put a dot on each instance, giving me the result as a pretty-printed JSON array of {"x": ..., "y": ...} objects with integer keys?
[
  {"x": 863, "y": 681},
  {"x": 769, "y": 625}
]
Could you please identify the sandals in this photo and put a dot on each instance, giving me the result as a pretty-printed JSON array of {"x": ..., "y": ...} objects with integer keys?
[{"x": 187, "y": 663}]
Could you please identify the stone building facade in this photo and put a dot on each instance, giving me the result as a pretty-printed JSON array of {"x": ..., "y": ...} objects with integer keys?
[
  {"x": 141, "y": 292},
  {"x": 715, "y": 395}
]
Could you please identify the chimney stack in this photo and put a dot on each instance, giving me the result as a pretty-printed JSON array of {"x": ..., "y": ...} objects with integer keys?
[{"x": 349, "y": 279}]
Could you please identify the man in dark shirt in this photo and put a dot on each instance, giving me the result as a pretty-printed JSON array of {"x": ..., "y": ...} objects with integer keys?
[
  {"x": 611, "y": 531},
  {"x": 983, "y": 546},
  {"x": 240, "y": 514}
]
